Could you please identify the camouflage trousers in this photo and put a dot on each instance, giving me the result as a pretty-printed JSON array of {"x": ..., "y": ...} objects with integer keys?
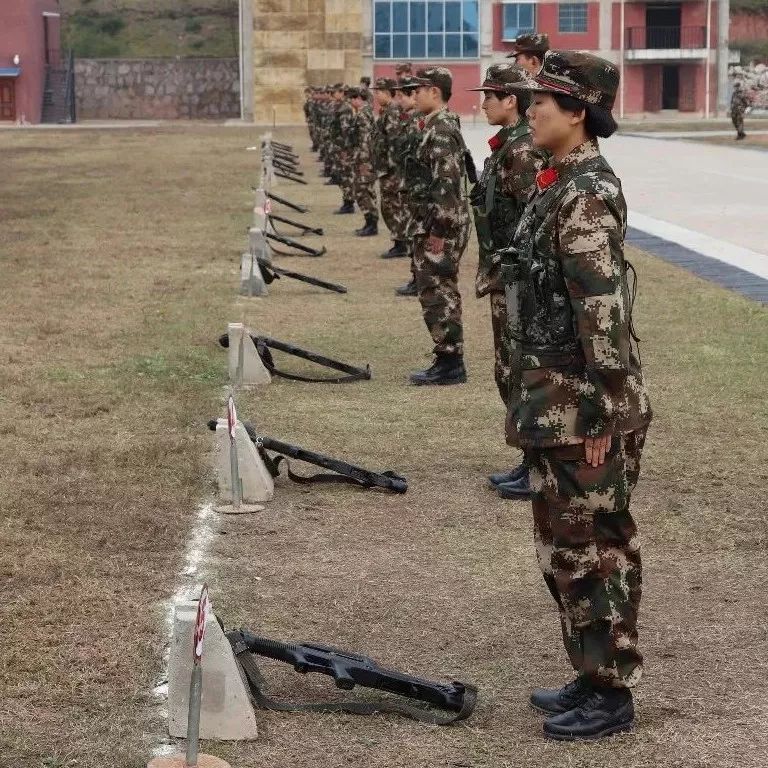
[
  {"x": 364, "y": 186},
  {"x": 737, "y": 118},
  {"x": 589, "y": 552},
  {"x": 501, "y": 370},
  {"x": 437, "y": 281},
  {"x": 343, "y": 169},
  {"x": 394, "y": 209}
]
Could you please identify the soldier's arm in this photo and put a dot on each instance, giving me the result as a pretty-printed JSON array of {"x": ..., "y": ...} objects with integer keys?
[
  {"x": 445, "y": 190},
  {"x": 591, "y": 250},
  {"x": 519, "y": 172}
]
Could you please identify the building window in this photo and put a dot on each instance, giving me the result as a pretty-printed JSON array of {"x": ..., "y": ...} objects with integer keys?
[
  {"x": 573, "y": 17},
  {"x": 518, "y": 19},
  {"x": 426, "y": 29}
]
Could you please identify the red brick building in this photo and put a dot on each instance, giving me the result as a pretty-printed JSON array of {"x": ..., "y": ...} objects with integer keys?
[
  {"x": 664, "y": 48},
  {"x": 29, "y": 48}
]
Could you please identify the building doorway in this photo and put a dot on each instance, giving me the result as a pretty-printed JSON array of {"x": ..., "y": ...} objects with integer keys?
[
  {"x": 662, "y": 25},
  {"x": 7, "y": 99},
  {"x": 670, "y": 86}
]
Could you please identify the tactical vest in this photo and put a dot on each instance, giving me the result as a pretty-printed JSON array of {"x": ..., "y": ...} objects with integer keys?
[
  {"x": 543, "y": 330},
  {"x": 496, "y": 215}
]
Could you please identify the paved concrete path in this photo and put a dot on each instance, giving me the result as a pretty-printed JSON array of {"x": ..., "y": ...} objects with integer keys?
[{"x": 707, "y": 199}]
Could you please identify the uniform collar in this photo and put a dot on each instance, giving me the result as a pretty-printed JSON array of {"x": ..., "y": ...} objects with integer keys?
[
  {"x": 586, "y": 151},
  {"x": 434, "y": 117},
  {"x": 497, "y": 141}
]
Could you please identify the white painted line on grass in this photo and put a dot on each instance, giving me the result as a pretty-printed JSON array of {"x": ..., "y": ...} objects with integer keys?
[
  {"x": 728, "y": 253},
  {"x": 187, "y": 588}
]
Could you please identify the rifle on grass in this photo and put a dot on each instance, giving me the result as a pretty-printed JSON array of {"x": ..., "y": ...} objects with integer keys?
[
  {"x": 303, "y": 227},
  {"x": 340, "y": 471},
  {"x": 287, "y": 203},
  {"x": 289, "y": 178},
  {"x": 287, "y": 168},
  {"x": 271, "y": 273},
  {"x": 349, "y": 670},
  {"x": 263, "y": 345},
  {"x": 293, "y": 244}
]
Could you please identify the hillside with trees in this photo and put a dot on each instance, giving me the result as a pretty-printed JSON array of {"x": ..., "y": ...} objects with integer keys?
[{"x": 148, "y": 28}]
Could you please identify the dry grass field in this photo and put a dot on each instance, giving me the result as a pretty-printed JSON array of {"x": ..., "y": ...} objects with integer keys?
[{"x": 118, "y": 256}]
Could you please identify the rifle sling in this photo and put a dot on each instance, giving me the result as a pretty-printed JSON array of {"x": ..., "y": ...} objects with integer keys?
[
  {"x": 368, "y": 480},
  {"x": 247, "y": 663},
  {"x": 353, "y": 374}
]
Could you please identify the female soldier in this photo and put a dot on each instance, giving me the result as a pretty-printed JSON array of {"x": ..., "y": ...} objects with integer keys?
[{"x": 579, "y": 408}]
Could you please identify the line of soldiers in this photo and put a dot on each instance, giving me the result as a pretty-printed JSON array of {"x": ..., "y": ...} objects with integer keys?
[{"x": 550, "y": 219}]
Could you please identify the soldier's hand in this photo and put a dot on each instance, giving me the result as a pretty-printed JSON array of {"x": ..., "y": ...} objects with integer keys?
[
  {"x": 595, "y": 449},
  {"x": 435, "y": 244}
]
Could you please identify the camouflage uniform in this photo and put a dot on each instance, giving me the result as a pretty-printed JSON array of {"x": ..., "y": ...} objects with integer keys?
[
  {"x": 434, "y": 180},
  {"x": 579, "y": 376},
  {"x": 361, "y": 160},
  {"x": 341, "y": 128},
  {"x": 739, "y": 104},
  {"x": 404, "y": 141},
  {"x": 390, "y": 184},
  {"x": 498, "y": 199}
]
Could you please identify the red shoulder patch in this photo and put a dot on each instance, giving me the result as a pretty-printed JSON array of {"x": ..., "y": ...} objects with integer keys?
[
  {"x": 421, "y": 125},
  {"x": 546, "y": 178},
  {"x": 494, "y": 143}
]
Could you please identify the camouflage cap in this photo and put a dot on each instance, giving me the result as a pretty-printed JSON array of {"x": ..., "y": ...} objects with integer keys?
[
  {"x": 537, "y": 42},
  {"x": 338, "y": 87},
  {"x": 354, "y": 92},
  {"x": 440, "y": 77},
  {"x": 384, "y": 84},
  {"x": 579, "y": 74},
  {"x": 405, "y": 83},
  {"x": 503, "y": 77},
  {"x": 404, "y": 68}
]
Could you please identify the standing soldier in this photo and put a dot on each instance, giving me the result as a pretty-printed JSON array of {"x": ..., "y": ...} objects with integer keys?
[
  {"x": 390, "y": 183},
  {"x": 578, "y": 406},
  {"x": 739, "y": 104},
  {"x": 361, "y": 161},
  {"x": 340, "y": 136},
  {"x": 440, "y": 225},
  {"x": 308, "y": 94},
  {"x": 528, "y": 51},
  {"x": 498, "y": 200},
  {"x": 403, "y": 148}
]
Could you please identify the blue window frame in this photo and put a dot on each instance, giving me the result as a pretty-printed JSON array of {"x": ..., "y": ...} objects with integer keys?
[
  {"x": 572, "y": 17},
  {"x": 426, "y": 29},
  {"x": 518, "y": 19}
]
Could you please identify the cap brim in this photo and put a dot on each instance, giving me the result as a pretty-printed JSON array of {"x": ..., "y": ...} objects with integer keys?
[{"x": 496, "y": 88}]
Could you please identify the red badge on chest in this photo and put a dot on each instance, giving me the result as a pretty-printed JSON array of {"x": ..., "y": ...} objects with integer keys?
[
  {"x": 421, "y": 125},
  {"x": 494, "y": 143},
  {"x": 546, "y": 178}
]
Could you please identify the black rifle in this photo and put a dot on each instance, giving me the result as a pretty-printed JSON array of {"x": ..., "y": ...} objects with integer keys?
[
  {"x": 348, "y": 670},
  {"x": 303, "y": 227},
  {"x": 290, "y": 178},
  {"x": 271, "y": 273},
  {"x": 265, "y": 343},
  {"x": 299, "y": 246},
  {"x": 280, "y": 145},
  {"x": 287, "y": 203},
  {"x": 281, "y": 166},
  {"x": 343, "y": 472}
]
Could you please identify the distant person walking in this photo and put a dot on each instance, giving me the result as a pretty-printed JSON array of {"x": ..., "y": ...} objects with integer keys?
[{"x": 739, "y": 104}]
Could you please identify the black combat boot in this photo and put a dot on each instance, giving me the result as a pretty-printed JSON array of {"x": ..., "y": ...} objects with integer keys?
[
  {"x": 555, "y": 701},
  {"x": 740, "y": 136},
  {"x": 448, "y": 368},
  {"x": 347, "y": 207},
  {"x": 409, "y": 289},
  {"x": 370, "y": 228},
  {"x": 397, "y": 251},
  {"x": 604, "y": 712},
  {"x": 497, "y": 478},
  {"x": 517, "y": 489}
]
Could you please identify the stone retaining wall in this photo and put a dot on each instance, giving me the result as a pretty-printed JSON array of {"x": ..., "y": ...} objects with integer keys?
[{"x": 167, "y": 89}]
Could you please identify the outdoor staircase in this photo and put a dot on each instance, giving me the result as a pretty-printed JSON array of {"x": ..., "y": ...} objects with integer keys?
[{"x": 59, "y": 94}]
